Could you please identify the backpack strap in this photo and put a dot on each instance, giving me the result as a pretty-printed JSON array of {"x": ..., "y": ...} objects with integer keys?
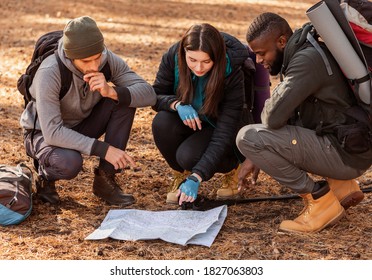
[
  {"x": 249, "y": 69},
  {"x": 106, "y": 70},
  {"x": 66, "y": 77},
  {"x": 315, "y": 44}
]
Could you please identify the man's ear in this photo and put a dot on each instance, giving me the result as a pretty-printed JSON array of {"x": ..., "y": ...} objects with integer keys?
[{"x": 282, "y": 42}]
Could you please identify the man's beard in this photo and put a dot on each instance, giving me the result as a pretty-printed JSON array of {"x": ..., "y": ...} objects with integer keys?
[{"x": 277, "y": 64}]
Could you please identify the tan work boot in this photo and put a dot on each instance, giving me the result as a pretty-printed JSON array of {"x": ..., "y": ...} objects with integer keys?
[
  {"x": 229, "y": 189},
  {"x": 178, "y": 178},
  {"x": 347, "y": 191},
  {"x": 322, "y": 209}
]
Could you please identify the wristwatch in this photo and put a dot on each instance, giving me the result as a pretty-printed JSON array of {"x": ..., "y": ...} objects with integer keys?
[{"x": 194, "y": 178}]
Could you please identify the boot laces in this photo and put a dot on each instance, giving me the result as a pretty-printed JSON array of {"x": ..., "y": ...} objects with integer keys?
[
  {"x": 177, "y": 180},
  {"x": 44, "y": 184},
  {"x": 111, "y": 182},
  {"x": 228, "y": 180}
]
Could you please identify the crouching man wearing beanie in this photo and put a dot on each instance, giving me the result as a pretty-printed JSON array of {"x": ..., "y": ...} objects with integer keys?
[{"x": 71, "y": 127}]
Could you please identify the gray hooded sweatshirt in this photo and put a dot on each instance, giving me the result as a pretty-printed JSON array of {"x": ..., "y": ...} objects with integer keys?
[{"x": 55, "y": 117}]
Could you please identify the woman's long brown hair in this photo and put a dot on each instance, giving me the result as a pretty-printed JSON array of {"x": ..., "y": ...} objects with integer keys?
[{"x": 206, "y": 38}]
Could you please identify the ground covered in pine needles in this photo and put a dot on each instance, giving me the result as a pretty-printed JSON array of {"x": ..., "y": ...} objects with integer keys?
[{"x": 140, "y": 31}]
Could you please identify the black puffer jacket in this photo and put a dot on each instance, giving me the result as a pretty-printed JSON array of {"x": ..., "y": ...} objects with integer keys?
[{"x": 228, "y": 121}]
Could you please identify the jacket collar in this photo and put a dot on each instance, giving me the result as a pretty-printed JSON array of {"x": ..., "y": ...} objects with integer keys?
[{"x": 294, "y": 44}]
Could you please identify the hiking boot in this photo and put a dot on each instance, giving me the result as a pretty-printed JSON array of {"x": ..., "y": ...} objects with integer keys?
[
  {"x": 347, "y": 191},
  {"x": 46, "y": 190},
  {"x": 178, "y": 178},
  {"x": 322, "y": 209},
  {"x": 229, "y": 189},
  {"x": 106, "y": 188}
]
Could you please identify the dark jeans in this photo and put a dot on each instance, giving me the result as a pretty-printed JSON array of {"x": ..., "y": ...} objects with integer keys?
[
  {"x": 183, "y": 147},
  {"x": 59, "y": 163}
]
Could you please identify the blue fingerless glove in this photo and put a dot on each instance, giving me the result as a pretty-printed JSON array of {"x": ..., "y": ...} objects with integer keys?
[
  {"x": 186, "y": 112},
  {"x": 190, "y": 187}
]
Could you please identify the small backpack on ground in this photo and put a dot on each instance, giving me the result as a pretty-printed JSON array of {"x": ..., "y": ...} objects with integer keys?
[
  {"x": 45, "y": 46},
  {"x": 15, "y": 194}
]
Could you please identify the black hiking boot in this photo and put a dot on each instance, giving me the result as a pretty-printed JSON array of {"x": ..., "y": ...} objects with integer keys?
[
  {"x": 46, "y": 190},
  {"x": 106, "y": 188}
]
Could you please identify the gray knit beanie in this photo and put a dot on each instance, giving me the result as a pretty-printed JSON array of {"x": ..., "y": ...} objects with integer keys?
[{"x": 82, "y": 38}]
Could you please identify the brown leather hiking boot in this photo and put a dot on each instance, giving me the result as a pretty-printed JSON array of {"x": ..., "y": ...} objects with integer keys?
[
  {"x": 106, "y": 188},
  {"x": 178, "y": 178},
  {"x": 347, "y": 191},
  {"x": 46, "y": 190},
  {"x": 322, "y": 209},
  {"x": 229, "y": 188}
]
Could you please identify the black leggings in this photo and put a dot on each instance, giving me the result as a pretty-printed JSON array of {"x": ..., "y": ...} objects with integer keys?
[{"x": 183, "y": 147}]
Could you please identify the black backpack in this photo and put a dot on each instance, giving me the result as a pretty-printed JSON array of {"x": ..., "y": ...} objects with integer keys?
[{"x": 45, "y": 46}]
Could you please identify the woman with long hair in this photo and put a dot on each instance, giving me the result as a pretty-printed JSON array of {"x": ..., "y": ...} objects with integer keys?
[{"x": 200, "y": 98}]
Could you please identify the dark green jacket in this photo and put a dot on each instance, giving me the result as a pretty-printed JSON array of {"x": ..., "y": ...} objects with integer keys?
[{"x": 308, "y": 96}]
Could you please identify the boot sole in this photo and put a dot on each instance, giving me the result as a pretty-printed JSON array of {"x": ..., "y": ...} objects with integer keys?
[
  {"x": 352, "y": 199},
  {"x": 228, "y": 197},
  {"x": 171, "y": 202},
  {"x": 330, "y": 223},
  {"x": 122, "y": 204},
  {"x": 49, "y": 200},
  {"x": 118, "y": 204}
]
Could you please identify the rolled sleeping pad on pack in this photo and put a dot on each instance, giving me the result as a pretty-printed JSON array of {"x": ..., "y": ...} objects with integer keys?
[
  {"x": 340, "y": 47},
  {"x": 261, "y": 88}
]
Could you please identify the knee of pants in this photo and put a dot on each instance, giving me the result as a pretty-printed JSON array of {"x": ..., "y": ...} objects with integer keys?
[
  {"x": 248, "y": 140},
  {"x": 66, "y": 163},
  {"x": 187, "y": 158},
  {"x": 166, "y": 125},
  {"x": 155, "y": 126},
  {"x": 159, "y": 123}
]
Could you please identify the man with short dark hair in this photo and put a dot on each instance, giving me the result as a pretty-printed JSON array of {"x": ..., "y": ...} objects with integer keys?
[
  {"x": 58, "y": 132},
  {"x": 297, "y": 134}
]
